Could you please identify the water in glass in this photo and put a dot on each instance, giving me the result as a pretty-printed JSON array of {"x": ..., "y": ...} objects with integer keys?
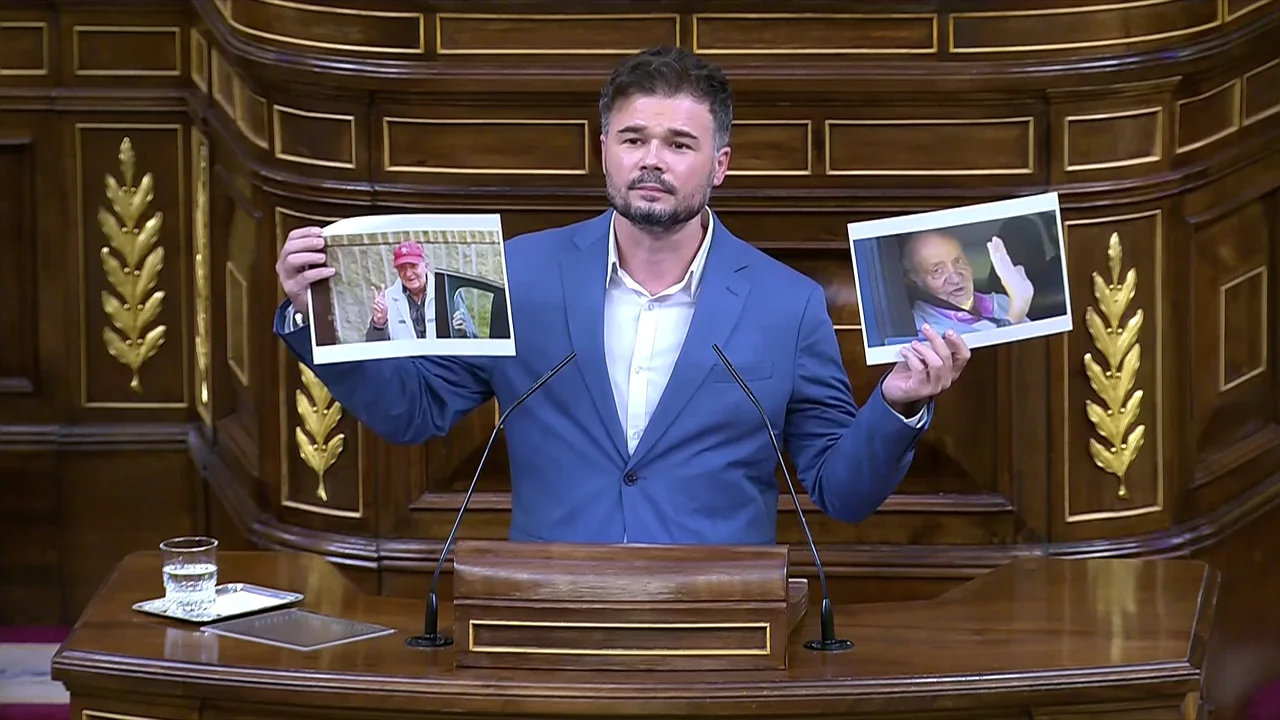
[{"x": 190, "y": 568}]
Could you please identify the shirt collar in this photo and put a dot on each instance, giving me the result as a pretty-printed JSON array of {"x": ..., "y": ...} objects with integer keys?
[{"x": 692, "y": 278}]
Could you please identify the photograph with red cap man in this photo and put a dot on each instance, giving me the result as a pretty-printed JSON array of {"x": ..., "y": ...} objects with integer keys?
[{"x": 413, "y": 285}]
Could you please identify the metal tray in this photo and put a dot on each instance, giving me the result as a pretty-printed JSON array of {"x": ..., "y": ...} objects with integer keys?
[
  {"x": 297, "y": 629},
  {"x": 234, "y": 600}
]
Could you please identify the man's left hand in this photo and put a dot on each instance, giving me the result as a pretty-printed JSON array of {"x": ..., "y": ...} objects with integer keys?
[{"x": 926, "y": 369}]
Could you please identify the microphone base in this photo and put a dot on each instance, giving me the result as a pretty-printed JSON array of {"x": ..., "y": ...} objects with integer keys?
[
  {"x": 429, "y": 640},
  {"x": 832, "y": 645}
]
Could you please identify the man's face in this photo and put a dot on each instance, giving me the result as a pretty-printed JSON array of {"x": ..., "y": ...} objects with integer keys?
[
  {"x": 660, "y": 160},
  {"x": 942, "y": 270},
  {"x": 413, "y": 275}
]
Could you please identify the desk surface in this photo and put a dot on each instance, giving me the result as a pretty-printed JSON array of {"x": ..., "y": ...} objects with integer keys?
[{"x": 1036, "y": 632}]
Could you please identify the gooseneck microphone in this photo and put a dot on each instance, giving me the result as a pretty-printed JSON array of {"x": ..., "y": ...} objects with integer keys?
[
  {"x": 431, "y": 636},
  {"x": 828, "y": 642}
]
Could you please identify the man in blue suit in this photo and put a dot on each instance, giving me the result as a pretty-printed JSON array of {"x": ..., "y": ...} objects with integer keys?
[{"x": 645, "y": 437}]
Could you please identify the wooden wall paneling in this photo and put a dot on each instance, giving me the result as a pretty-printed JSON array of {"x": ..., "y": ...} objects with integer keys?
[
  {"x": 1089, "y": 28},
  {"x": 1232, "y": 434},
  {"x": 333, "y": 480},
  {"x": 27, "y": 47},
  {"x": 31, "y": 590},
  {"x": 1105, "y": 134},
  {"x": 1112, "y": 470},
  {"x": 1242, "y": 655},
  {"x": 1231, "y": 393},
  {"x": 30, "y": 154},
  {"x": 1260, "y": 92},
  {"x": 131, "y": 212},
  {"x": 954, "y": 145},
  {"x": 95, "y": 465},
  {"x": 130, "y": 217},
  {"x": 118, "y": 494},
  {"x": 20, "y": 299},
  {"x": 1157, "y": 123},
  {"x": 203, "y": 316},
  {"x": 455, "y": 143}
]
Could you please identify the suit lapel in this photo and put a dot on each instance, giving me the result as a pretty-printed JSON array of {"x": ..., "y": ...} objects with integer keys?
[
  {"x": 720, "y": 299},
  {"x": 583, "y": 275}
]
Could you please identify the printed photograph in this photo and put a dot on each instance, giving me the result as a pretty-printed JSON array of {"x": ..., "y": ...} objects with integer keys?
[
  {"x": 417, "y": 284},
  {"x": 996, "y": 272}
]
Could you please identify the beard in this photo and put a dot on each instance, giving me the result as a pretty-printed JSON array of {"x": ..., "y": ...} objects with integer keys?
[{"x": 650, "y": 218}]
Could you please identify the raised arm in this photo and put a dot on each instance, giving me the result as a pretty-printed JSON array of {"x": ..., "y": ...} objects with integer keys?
[
  {"x": 402, "y": 400},
  {"x": 851, "y": 459}
]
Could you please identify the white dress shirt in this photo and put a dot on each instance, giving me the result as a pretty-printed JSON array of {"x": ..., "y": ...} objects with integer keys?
[{"x": 643, "y": 334}]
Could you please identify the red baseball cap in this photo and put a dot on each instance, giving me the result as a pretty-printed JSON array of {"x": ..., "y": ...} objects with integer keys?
[{"x": 408, "y": 253}]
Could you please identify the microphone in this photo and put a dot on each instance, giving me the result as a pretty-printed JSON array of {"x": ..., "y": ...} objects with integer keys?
[
  {"x": 431, "y": 636},
  {"x": 828, "y": 642}
]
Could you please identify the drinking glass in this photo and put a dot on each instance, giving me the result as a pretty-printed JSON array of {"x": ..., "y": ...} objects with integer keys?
[{"x": 190, "y": 574}]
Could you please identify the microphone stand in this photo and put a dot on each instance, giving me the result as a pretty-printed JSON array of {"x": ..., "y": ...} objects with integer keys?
[
  {"x": 828, "y": 642},
  {"x": 431, "y": 636}
]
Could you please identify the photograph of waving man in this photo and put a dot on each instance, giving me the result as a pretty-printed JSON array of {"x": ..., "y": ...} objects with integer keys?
[
  {"x": 994, "y": 273},
  {"x": 935, "y": 263}
]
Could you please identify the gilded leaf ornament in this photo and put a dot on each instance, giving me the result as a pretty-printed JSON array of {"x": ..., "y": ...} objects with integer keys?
[
  {"x": 133, "y": 269},
  {"x": 318, "y": 416},
  {"x": 1117, "y": 344},
  {"x": 201, "y": 273}
]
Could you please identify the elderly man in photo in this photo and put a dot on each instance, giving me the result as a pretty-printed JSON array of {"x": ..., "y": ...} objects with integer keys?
[
  {"x": 934, "y": 263},
  {"x": 407, "y": 309}
]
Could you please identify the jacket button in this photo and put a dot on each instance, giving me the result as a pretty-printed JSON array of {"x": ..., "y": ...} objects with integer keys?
[{"x": 630, "y": 478}]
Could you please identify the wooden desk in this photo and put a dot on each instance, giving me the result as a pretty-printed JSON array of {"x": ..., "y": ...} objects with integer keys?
[{"x": 1060, "y": 638}]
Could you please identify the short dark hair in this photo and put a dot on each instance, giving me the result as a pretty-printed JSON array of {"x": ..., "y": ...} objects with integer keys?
[{"x": 666, "y": 71}]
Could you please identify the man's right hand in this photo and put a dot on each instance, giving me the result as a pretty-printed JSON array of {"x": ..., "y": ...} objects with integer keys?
[
  {"x": 301, "y": 263},
  {"x": 379, "y": 306},
  {"x": 1014, "y": 278}
]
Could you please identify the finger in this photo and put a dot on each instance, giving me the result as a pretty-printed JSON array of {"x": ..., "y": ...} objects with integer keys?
[
  {"x": 959, "y": 349},
  {"x": 308, "y": 236},
  {"x": 936, "y": 375},
  {"x": 304, "y": 232},
  {"x": 913, "y": 360},
  {"x": 298, "y": 260},
  {"x": 304, "y": 244},
  {"x": 939, "y": 348},
  {"x": 316, "y": 274},
  {"x": 925, "y": 351}
]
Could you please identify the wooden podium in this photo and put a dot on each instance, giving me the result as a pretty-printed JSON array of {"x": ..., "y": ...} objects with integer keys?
[
  {"x": 603, "y": 607},
  {"x": 1036, "y": 637}
]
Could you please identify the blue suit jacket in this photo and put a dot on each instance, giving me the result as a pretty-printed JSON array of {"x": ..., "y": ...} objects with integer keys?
[{"x": 704, "y": 469}]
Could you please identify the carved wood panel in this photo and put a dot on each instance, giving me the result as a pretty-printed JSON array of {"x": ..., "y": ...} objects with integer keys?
[
  {"x": 322, "y": 468},
  {"x": 131, "y": 211},
  {"x": 19, "y": 244},
  {"x": 1112, "y": 436},
  {"x": 1232, "y": 390}
]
